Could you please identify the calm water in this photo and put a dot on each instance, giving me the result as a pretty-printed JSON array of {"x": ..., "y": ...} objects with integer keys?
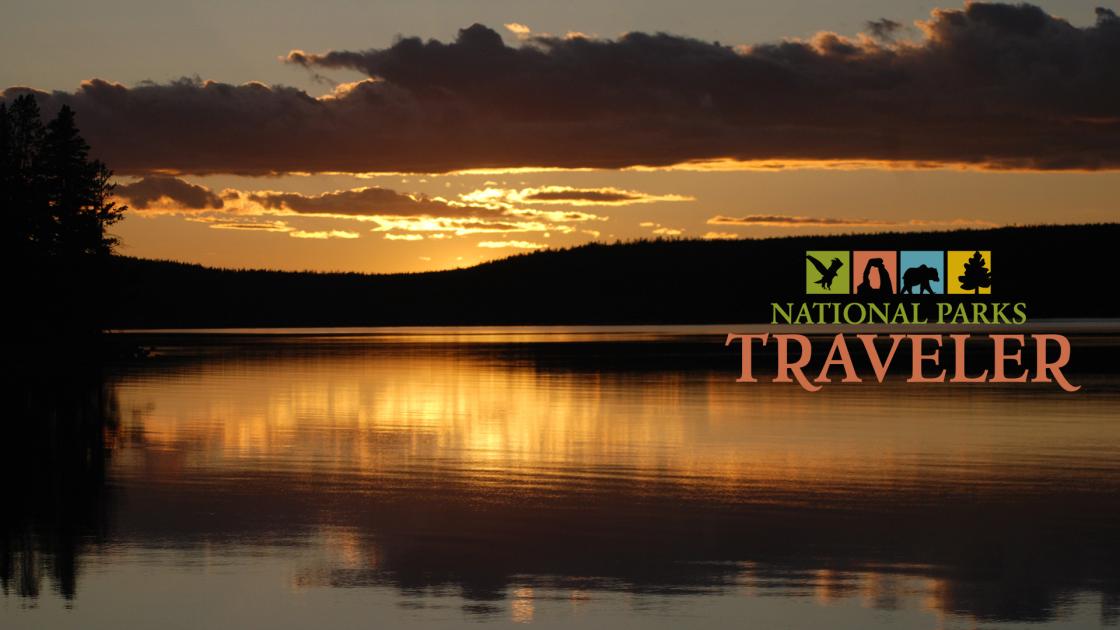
[{"x": 605, "y": 477}]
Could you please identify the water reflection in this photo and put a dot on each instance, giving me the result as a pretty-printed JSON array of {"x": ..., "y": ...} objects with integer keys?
[
  {"x": 534, "y": 481},
  {"x": 58, "y": 434}
]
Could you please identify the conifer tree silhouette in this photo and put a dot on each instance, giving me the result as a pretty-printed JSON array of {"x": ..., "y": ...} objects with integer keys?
[
  {"x": 77, "y": 189},
  {"x": 976, "y": 275},
  {"x": 56, "y": 203}
]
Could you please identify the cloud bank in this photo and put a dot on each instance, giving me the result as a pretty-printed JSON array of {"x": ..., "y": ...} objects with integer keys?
[
  {"x": 790, "y": 221},
  {"x": 782, "y": 220},
  {"x": 401, "y": 216},
  {"x": 995, "y": 86},
  {"x": 567, "y": 196},
  {"x": 152, "y": 191}
]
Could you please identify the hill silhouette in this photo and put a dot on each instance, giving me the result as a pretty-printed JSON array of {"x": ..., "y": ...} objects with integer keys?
[{"x": 1059, "y": 271}]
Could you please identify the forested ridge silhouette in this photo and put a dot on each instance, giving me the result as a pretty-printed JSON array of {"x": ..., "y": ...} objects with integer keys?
[{"x": 1053, "y": 268}]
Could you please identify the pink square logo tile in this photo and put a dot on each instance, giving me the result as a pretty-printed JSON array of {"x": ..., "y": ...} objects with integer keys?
[{"x": 875, "y": 273}]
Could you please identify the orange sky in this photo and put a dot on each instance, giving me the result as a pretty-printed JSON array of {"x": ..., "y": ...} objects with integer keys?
[
  {"x": 523, "y": 129},
  {"x": 886, "y": 199}
]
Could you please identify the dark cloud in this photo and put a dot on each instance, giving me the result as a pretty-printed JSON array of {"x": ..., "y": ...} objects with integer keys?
[
  {"x": 987, "y": 85},
  {"x": 598, "y": 196},
  {"x": 399, "y": 212},
  {"x": 262, "y": 227},
  {"x": 372, "y": 201},
  {"x": 565, "y": 195},
  {"x": 884, "y": 29},
  {"x": 390, "y": 211},
  {"x": 151, "y": 189},
  {"x": 784, "y": 220}
]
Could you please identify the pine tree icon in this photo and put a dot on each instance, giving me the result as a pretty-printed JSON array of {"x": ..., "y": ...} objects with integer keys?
[{"x": 976, "y": 275}]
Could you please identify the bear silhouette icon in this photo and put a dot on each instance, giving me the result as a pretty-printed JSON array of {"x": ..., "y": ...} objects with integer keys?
[{"x": 919, "y": 276}]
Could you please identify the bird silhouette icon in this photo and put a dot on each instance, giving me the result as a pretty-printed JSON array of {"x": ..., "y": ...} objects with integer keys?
[{"x": 828, "y": 274}]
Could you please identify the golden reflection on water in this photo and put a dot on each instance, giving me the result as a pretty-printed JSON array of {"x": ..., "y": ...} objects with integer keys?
[
  {"x": 532, "y": 477},
  {"x": 510, "y": 422},
  {"x": 525, "y": 481}
]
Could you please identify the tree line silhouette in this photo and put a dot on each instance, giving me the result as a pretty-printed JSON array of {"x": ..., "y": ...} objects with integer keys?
[
  {"x": 651, "y": 281},
  {"x": 57, "y": 203}
]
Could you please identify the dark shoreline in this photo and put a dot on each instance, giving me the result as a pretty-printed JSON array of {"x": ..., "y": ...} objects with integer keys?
[{"x": 1056, "y": 271}]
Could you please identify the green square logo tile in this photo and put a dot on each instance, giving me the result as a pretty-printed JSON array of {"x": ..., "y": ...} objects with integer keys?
[{"x": 827, "y": 272}]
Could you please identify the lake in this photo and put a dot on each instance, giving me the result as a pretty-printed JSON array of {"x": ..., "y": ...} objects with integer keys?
[{"x": 601, "y": 476}]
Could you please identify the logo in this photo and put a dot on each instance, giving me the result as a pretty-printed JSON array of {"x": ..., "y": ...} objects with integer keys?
[
  {"x": 902, "y": 289},
  {"x": 923, "y": 272},
  {"x": 971, "y": 271},
  {"x": 826, "y": 273},
  {"x": 874, "y": 273},
  {"x": 887, "y": 273}
]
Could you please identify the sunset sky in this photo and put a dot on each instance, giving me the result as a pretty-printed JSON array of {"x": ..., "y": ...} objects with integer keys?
[{"x": 419, "y": 135}]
